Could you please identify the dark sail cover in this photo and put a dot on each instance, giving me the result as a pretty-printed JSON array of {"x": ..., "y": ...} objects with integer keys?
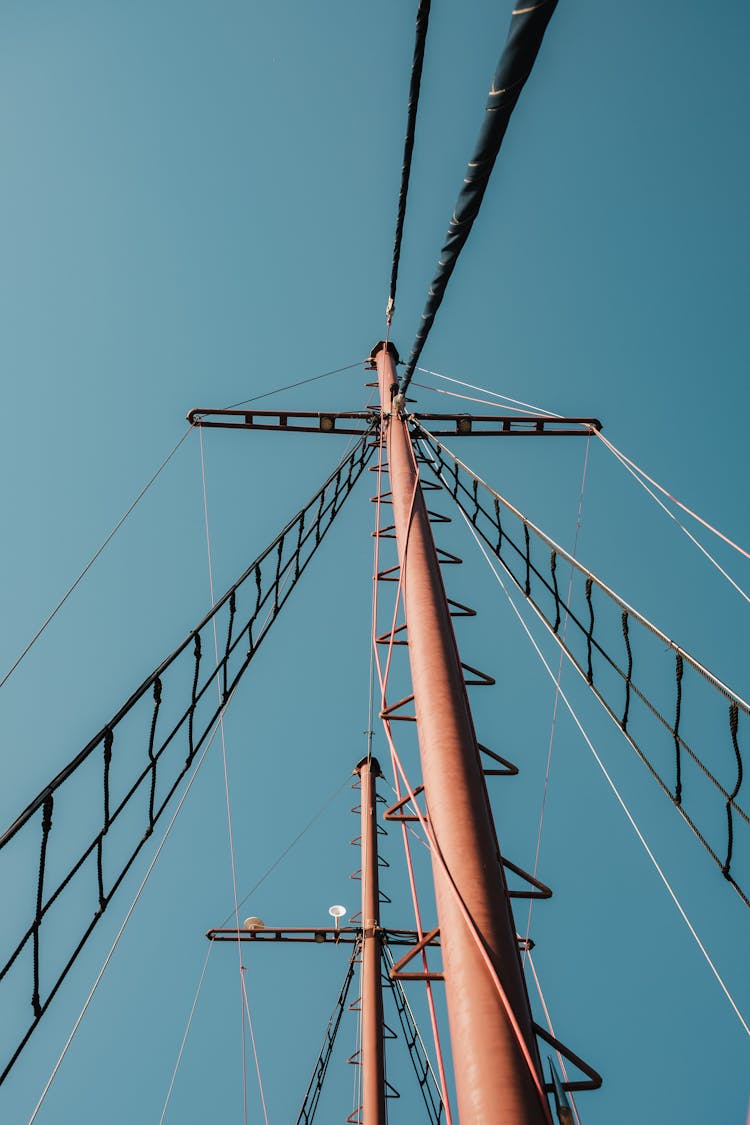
[{"x": 527, "y": 27}]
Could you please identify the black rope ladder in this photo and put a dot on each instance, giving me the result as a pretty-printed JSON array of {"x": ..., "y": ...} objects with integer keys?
[
  {"x": 112, "y": 791},
  {"x": 428, "y": 1086},
  {"x": 682, "y": 696},
  {"x": 315, "y": 1085}
]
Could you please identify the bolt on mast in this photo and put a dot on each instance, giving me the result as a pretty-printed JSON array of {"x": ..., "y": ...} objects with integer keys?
[{"x": 496, "y": 1062}]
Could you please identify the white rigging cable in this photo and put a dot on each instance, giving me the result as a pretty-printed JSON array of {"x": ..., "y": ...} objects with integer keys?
[
  {"x": 579, "y": 519},
  {"x": 471, "y": 398},
  {"x": 631, "y": 468},
  {"x": 244, "y": 1004},
  {"x": 92, "y": 560},
  {"x": 611, "y": 784},
  {"x": 495, "y": 394},
  {"x": 551, "y": 1030},
  {"x": 53, "y": 613},
  {"x": 626, "y": 461},
  {"x": 638, "y": 474},
  {"x": 185, "y": 1035}
]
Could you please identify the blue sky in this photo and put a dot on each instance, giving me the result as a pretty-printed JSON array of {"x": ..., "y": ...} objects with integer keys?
[{"x": 197, "y": 206}]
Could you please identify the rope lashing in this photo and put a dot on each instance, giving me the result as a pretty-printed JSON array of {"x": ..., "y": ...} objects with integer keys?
[
  {"x": 527, "y": 27},
  {"x": 261, "y": 590}
]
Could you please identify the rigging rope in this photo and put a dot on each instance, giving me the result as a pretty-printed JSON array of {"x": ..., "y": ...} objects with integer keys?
[
  {"x": 255, "y": 1049},
  {"x": 415, "y": 1044},
  {"x": 315, "y": 1085},
  {"x": 93, "y": 559},
  {"x": 611, "y": 677},
  {"x": 634, "y": 472},
  {"x": 299, "y": 383},
  {"x": 535, "y": 871},
  {"x": 48, "y": 620},
  {"x": 283, "y": 854},
  {"x": 420, "y": 38},
  {"x": 185, "y": 1035},
  {"x": 226, "y": 775},
  {"x": 468, "y": 398},
  {"x": 689, "y": 511},
  {"x": 612, "y": 785},
  {"x": 485, "y": 391},
  {"x": 527, "y": 28},
  {"x": 121, "y": 930},
  {"x": 263, "y": 590},
  {"x": 550, "y": 1028}
]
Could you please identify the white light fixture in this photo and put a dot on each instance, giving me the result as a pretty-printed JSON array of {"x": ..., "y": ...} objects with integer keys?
[
  {"x": 254, "y": 924},
  {"x": 336, "y": 912}
]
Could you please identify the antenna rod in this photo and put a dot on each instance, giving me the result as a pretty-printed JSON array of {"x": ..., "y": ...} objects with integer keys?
[
  {"x": 494, "y": 1081},
  {"x": 372, "y": 1051}
]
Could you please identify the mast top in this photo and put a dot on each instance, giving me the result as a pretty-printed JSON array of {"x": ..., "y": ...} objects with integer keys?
[{"x": 373, "y": 763}]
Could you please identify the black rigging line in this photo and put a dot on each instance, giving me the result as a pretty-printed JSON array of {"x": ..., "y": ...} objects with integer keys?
[
  {"x": 423, "y": 16},
  {"x": 315, "y": 1085},
  {"x": 154, "y": 717},
  {"x": 660, "y": 740},
  {"x": 527, "y": 27},
  {"x": 428, "y": 1086}
]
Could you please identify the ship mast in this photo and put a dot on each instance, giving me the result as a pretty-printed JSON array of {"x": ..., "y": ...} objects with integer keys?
[
  {"x": 371, "y": 1001},
  {"x": 496, "y": 1063}
]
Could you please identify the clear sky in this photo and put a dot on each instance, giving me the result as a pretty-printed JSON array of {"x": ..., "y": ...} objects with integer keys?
[{"x": 198, "y": 203}]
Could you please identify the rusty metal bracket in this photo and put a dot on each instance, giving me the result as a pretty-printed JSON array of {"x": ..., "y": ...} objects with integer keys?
[
  {"x": 393, "y": 813},
  {"x": 509, "y": 768},
  {"x": 541, "y": 890},
  {"x": 594, "y": 1078}
]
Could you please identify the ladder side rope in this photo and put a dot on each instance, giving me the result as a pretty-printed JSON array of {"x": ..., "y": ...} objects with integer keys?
[
  {"x": 383, "y": 683},
  {"x": 186, "y": 1033},
  {"x": 527, "y": 27},
  {"x": 420, "y": 38},
  {"x": 263, "y": 590},
  {"x": 230, "y": 833},
  {"x": 463, "y": 908},
  {"x": 121, "y": 930},
  {"x": 76, "y": 582},
  {"x": 614, "y": 788},
  {"x": 527, "y": 581}
]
